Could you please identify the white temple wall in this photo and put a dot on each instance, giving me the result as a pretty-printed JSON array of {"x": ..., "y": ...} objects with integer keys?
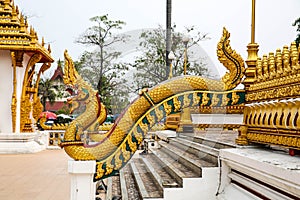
[{"x": 6, "y": 89}]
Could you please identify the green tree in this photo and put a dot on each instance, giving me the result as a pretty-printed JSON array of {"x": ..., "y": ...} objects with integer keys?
[
  {"x": 100, "y": 67},
  {"x": 46, "y": 91},
  {"x": 297, "y": 23},
  {"x": 151, "y": 66}
]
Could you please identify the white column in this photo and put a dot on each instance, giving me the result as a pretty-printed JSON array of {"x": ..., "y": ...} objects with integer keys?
[
  {"x": 6, "y": 91},
  {"x": 82, "y": 185}
]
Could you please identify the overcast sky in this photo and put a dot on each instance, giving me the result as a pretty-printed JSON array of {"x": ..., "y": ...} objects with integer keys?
[{"x": 60, "y": 22}]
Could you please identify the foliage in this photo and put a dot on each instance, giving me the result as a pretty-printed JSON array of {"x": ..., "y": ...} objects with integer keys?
[
  {"x": 46, "y": 91},
  {"x": 64, "y": 110},
  {"x": 99, "y": 67},
  {"x": 151, "y": 66},
  {"x": 297, "y": 24}
]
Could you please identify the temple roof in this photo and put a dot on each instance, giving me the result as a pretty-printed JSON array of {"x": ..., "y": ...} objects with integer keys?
[
  {"x": 14, "y": 33},
  {"x": 58, "y": 74}
]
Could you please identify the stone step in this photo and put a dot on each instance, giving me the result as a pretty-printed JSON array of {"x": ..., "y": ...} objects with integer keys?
[
  {"x": 124, "y": 193},
  {"x": 178, "y": 167},
  {"x": 160, "y": 172},
  {"x": 147, "y": 184},
  {"x": 206, "y": 153},
  {"x": 113, "y": 188},
  {"x": 130, "y": 189},
  {"x": 210, "y": 140},
  {"x": 148, "y": 175},
  {"x": 191, "y": 161}
]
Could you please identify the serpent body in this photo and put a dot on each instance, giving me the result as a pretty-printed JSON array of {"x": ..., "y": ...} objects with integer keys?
[{"x": 114, "y": 150}]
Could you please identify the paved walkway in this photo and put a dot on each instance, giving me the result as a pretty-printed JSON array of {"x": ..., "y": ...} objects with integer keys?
[{"x": 39, "y": 176}]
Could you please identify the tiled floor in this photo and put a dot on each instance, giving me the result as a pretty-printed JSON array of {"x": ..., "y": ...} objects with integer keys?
[{"x": 39, "y": 176}]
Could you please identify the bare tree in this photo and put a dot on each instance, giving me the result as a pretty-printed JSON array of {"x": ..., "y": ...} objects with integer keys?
[
  {"x": 101, "y": 35},
  {"x": 100, "y": 66}
]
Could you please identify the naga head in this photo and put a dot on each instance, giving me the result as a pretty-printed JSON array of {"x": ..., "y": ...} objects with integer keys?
[{"x": 79, "y": 89}]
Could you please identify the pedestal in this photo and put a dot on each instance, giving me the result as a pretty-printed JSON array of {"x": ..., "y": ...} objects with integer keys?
[
  {"x": 18, "y": 143},
  {"x": 186, "y": 124},
  {"x": 82, "y": 185}
]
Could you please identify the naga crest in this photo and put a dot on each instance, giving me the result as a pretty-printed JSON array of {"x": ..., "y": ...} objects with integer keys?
[
  {"x": 231, "y": 60},
  {"x": 83, "y": 97}
]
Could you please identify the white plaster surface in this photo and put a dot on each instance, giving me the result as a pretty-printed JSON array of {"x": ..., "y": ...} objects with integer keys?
[
  {"x": 6, "y": 91},
  {"x": 233, "y": 192},
  {"x": 196, "y": 188},
  {"x": 82, "y": 185},
  {"x": 164, "y": 134},
  {"x": 217, "y": 118},
  {"x": 18, "y": 143},
  {"x": 275, "y": 168}
]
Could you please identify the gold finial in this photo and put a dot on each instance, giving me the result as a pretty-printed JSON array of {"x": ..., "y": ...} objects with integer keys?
[
  {"x": 271, "y": 62},
  {"x": 17, "y": 9},
  {"x": 259, "y": 73},
  {"x": 49, "y": 48},
  {"x": 294, "y": 57},
  {"x": 278, "y": 60},
  {"x": 253, "y": 23},
  {"x": 252, "y": 49},
  {"x": 265, "y": 67},
  {"x": 26, "y": 22},
  {"x": 286, "y": 60}
]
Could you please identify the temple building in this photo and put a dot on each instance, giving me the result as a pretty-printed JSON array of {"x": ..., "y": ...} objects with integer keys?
[
  {"x": 23, "y": 59},
  {"x": 58, "y": 85}
]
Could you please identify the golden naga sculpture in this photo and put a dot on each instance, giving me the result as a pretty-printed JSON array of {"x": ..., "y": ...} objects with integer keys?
[
  {"x": 115, "y": 148},
  {"x": 56, "y": 126}
]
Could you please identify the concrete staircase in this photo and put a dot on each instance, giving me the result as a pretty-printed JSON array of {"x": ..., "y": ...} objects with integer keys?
[
  {"x": 206, "y": 166},
  {"x": 177, "y": 168}
]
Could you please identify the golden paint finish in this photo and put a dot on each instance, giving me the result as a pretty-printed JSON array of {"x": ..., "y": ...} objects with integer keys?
[
  {"x": 231, "y": 60},
  {"x": 274, "y": 123},
  {"x": 275, "y": 120},
  {"x": 219, "y": 126},
  {"x": 37, "y": 105},
  {"x": 27, "y": 91},
  {"x": 14, "y": 33},
  {"x": 53, "y": 127},
  {"x": 14, "y": 95},
  {"x": 233, "y": 109},
  {"x": 122, "y": 140},
  {"x": 16, "y": 37},
  {"x": 26, "y": 107},
  {"x": 97, "y": 125},
  {"x": 277, "y": 76}
]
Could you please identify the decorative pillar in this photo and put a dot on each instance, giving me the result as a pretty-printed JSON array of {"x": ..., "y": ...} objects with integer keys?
[
  {"x": 14, "y": 95},
  {"x": 82, "y": 185},
  {"x": 185, "y": 124},
  {"x": 250, "y": 72},
  {"x": 252, "y": 49}
]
